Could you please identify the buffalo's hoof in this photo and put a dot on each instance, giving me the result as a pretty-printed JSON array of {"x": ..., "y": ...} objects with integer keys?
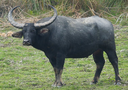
[
  {"x": 117, "y": 83},
  {"x": 58, "y": 84},
  {"x": 92, "y": 83}
]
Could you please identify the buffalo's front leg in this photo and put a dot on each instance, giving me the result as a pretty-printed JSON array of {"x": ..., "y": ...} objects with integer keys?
[
  {"x": 58, "y": 64},
  {"x": 58, "y": 79}
]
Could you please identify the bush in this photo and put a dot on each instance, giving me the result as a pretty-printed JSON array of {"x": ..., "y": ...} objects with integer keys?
[{"x": 78, "y": 5}]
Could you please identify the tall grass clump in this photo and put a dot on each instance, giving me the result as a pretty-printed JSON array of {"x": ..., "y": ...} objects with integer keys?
[
  {"x": 110, "y": 9},
  {"x": 85, "y": 5}
]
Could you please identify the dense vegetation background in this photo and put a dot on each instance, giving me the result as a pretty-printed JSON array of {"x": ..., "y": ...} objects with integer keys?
[{"x": 114, "y": 10}]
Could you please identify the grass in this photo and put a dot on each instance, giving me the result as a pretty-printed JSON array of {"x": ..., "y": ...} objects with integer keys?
[{"x": 25, "y": 68}]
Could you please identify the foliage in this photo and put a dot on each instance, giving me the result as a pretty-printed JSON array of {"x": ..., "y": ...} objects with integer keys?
[
  {"x": 85, "y": 5},
  {"x": 113, "y": 10}
]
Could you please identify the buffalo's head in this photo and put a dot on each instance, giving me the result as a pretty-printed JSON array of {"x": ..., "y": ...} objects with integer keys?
[{"x": 29, "y": 30}]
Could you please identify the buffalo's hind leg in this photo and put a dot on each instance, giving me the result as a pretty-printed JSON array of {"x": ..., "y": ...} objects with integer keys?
[
  {"x": 99, "y": 60},
  {"x": 114, "y": 61}
]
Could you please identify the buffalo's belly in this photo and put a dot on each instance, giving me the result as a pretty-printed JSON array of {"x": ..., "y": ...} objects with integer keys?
[{"x": 81, "y": 52}]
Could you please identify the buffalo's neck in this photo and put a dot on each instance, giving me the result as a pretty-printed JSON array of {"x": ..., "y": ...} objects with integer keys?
[{"x": 41, "y": 43}]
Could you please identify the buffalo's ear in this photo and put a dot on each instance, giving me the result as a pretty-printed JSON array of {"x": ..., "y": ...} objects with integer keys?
[
  {"x": 43, "y": 31},
  {"x": 18, "y": 34}
]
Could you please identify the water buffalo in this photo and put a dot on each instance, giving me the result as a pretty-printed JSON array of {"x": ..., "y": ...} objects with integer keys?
[{"x": 61, "y": 37}]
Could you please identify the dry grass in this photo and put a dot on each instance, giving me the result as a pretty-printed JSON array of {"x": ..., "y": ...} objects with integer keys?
[
  {"x": 116, "y": 11},
  {"x": 64, "y": 5},
  {"x": 8, "y": 34}
]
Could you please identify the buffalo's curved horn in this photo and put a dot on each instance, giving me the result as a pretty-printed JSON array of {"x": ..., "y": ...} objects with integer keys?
[
  {"x": 11, "y": 20},
  {"x": 48, "y": 22}
]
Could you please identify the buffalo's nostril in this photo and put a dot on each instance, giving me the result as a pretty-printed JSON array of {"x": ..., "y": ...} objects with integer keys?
[{"x": 26, "y": 42}]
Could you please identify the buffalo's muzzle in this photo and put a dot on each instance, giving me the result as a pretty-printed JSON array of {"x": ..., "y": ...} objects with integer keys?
[{"x": 26, "y": 42}]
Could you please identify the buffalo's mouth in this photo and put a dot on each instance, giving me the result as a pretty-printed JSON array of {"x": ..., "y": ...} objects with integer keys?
[{"x": 26, "y": 43}]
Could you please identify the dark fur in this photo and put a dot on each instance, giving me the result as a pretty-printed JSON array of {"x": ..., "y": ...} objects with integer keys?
[{"x": 74, "y": 38}]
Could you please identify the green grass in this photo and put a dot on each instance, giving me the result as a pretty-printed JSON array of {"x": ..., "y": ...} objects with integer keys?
[{"x": 25, "y": 68}]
